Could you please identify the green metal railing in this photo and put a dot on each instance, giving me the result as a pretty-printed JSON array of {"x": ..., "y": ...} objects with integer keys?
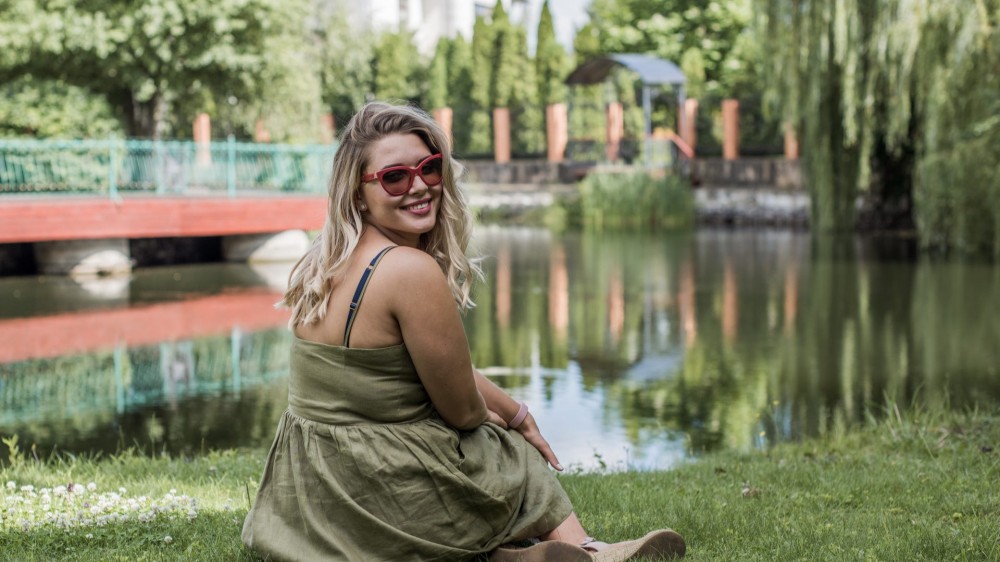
[
  {"x": 116, "y": 167},
  {"x": 126, "y": 379}
]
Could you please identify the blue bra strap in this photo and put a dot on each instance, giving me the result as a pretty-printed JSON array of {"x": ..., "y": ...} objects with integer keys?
[{"x": 360, "y": 292}]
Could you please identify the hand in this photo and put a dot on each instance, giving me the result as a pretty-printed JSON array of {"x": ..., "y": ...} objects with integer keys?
[
  {"x": 529, "y": 430},
  {"x": 495, "y": 418}
]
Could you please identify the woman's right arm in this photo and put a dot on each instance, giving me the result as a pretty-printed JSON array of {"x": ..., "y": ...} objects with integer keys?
[{"x": 432, "y": 330}]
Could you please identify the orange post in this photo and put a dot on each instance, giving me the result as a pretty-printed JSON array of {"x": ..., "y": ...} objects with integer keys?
[
  {"x": 730, "y": 129},
  {"x": 614, "y": 129},
  {"x": 443, "y": 116},
  {"x": 791, "y": 142},
  {"x": 202, "y": 138},
  {"x": 260, "y": 132},
  {"x": 329, "y": 128},
  {"x": 556, "y": 131},
  {"x": 501, "y": 135},
  {"x": 690, "y": 130}
]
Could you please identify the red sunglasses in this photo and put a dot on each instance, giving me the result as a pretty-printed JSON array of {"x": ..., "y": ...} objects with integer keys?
[{"x": 397, "y": 180}]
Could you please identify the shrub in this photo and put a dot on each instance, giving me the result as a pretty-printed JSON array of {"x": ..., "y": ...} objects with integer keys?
[{"x": 635, "y": 199}]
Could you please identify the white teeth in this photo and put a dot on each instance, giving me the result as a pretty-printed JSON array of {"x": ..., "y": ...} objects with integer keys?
[{"x": 419, "y": 206}]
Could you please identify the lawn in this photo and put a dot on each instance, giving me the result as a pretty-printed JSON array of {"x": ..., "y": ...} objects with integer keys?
[{"x": 914, "y": 487}]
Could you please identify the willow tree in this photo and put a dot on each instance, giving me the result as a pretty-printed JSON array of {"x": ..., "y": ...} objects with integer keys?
[{"x": 890, "y": 96}]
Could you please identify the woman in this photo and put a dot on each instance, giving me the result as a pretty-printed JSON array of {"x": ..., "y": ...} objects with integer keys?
[{"x": 393, "y": 447}]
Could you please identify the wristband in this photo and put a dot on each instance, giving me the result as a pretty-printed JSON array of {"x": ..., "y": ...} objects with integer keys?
[{"x": 522, "y": 412}]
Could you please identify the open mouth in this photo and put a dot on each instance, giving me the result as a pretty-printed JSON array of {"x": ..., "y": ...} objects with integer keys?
[{"x": 418, "y": 206}]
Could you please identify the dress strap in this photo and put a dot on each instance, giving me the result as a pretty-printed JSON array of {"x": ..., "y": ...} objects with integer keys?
[{"x": 359, "y": 293}]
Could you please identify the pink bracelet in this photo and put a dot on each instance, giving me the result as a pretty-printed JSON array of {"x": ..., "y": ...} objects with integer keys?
[{"x": 522, "y": 412}]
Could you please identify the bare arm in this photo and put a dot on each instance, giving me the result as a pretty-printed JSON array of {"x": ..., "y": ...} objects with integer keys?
[
  {"x": 434, "y": 335},
  {"x": 505, "y": 407}
]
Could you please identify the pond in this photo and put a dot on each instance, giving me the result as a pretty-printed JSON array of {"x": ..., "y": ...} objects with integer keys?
[{"x": 634, "y": 351}]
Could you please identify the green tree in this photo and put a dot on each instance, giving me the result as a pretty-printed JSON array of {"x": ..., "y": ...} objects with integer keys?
[
  {"x": 503, "y": 57},
  {"x": 144, "y": 56},
  {"x": 49, "y": 108},
  {"x": 670, "y": 28},
  {"x": 480, "y": 134},
  {"x": 346, "y": 69},
  {"x": 437, "y": 76},
  {"x": 586, "y": 120},
  {"x": 460, "y": 91},
  {"x": 397, "y": 68},
  {"x": 888, "y": 105},
  {"x": 550, "y": 61},
  {"x": 527, "y": 118}
]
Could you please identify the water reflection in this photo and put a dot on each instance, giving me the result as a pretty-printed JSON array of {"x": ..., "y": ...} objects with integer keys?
[{"x": 632, "y": 350}]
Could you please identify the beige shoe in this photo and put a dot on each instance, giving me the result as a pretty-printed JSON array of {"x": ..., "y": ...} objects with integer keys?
[
  {"x": 545, "y": 551},
  {"x": 664, "y": 544}
]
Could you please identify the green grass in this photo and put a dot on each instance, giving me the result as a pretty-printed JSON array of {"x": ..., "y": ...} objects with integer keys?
[{"x": 922, "y": 487}]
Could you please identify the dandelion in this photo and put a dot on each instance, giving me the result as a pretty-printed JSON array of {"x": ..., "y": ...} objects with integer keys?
[
  {"x": 91, "y": 487},
  {"x": 89, "y": 535},
  {"x": 11, "y": 485},
  {"x": 168, "y": 539}
]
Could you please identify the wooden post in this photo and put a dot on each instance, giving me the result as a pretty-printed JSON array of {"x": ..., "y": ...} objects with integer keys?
[
  {"x": 501, "y": 135},
  {"x": 614, "y": 130},
  {"x": 730, "y": 129},
  {"x": 791, "y": 142},
  {"x": 556, "y": 131},
  {"x": 202, "y": 138},
  {"x": 690, "y": 131},
  {"x": 443, "y": 116}
]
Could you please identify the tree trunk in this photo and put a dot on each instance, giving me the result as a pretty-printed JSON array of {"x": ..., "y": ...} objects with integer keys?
[{"x": 146, "y": 119}]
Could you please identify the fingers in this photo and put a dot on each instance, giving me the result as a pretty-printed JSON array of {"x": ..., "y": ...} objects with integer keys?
[
  {"x": 549, "y": 455},
  {"x": 539, "y": 442}
]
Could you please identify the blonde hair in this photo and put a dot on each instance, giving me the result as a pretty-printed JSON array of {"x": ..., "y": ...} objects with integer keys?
[{"x": 310, "y": 283}]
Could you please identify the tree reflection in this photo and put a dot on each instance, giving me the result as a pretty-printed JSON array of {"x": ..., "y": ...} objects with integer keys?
[{"x": 739, "y": 339}]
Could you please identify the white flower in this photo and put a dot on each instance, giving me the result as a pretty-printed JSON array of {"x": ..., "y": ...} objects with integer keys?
[
  {"x": 122, "y": 491},
  {"x": 27, "y": 488},
  {"x": 89, "y": 535},
  {"x": 91, "y": 486},
  {"x": 168, "y": 539},
  {"x": 11, "y": 485}
]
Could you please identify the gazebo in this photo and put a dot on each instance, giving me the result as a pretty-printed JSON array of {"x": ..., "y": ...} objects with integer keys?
[{"x": 654, "y": 73}]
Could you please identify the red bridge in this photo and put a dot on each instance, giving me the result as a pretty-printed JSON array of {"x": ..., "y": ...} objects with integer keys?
[{"x": 44, "y": 219}]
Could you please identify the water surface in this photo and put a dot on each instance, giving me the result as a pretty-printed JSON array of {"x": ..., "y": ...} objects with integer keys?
[{"x": 632, "y": 350}]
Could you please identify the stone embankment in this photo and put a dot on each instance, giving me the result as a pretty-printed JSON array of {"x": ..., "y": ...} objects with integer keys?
[{"x": 749, "y": 191}]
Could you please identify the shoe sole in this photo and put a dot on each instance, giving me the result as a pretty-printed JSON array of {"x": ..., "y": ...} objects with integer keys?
[
  {"x": 664, "y": 544},
  {"x": 545, "y": 551}
]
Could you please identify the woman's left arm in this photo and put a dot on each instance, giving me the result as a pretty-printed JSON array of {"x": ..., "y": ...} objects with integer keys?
[{"x": 500, "y": 403}]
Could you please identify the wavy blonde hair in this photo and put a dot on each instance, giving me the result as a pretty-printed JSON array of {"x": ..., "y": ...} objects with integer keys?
[{"x": 311, "y": 280}]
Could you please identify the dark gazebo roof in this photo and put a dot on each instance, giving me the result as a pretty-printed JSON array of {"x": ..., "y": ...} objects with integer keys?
[{"x": 652, "y": 71}]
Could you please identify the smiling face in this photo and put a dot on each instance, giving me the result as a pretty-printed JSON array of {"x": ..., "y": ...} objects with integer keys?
[{"x": 405, "y": 217}]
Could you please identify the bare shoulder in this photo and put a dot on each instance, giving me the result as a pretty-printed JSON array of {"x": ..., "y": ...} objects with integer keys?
[
  {"x": 414, "y": 280},
  {"x": 409, "y": 265}
]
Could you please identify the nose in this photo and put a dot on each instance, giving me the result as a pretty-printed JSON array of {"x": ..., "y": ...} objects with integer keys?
[{"x": 418, "y": 184}]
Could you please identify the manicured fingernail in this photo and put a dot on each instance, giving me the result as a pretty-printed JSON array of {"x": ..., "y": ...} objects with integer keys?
[{"x": 559, "y": 466}]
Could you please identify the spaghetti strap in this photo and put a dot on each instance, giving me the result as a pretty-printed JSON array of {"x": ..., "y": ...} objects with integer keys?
[{"x": 359, "y": 293}]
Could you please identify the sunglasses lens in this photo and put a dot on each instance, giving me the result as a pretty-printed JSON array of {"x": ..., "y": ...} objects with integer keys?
[
  {"x": 431, "y": 172},
  {"x": 396, "y": 181}
]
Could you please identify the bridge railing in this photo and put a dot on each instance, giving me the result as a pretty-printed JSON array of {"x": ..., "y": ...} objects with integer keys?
[{"x": 116, "y": 167}]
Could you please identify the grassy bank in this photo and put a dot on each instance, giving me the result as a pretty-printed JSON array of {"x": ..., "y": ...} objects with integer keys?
[{"x": 916, "y": 488}]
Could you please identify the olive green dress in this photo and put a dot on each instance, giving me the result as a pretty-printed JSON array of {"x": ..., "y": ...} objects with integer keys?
[{"x": 362, "y": 468}]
